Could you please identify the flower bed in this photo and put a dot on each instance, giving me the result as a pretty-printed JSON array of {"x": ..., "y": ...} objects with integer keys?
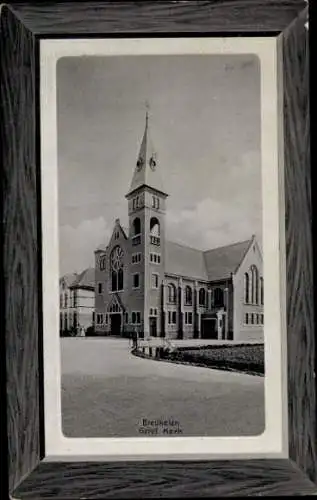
[{"x": 246, "y": 358}]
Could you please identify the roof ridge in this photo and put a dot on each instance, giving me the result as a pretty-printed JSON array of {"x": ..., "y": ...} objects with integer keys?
[
  {"x": 68, "y": 274},
  {"x": 229, "y": 245},
  {"x": 244, "y": 255},
  {"x": 210, "y": 249},
  {"x": 185, "y": 246},
  {"x": 80, "y": 275}
]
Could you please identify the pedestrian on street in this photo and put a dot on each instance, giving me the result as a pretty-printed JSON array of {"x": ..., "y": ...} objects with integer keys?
[{"x": 135, "y": 339}]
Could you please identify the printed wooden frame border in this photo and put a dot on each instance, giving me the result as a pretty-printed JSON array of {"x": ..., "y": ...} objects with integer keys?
[{"x": 29, "y": 476}]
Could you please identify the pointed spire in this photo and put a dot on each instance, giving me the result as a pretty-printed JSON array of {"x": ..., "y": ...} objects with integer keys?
[
  {"x": 147, "y": 106},
  {"x": 146, "y": 172},
  {"x": 147, "y": 114}
]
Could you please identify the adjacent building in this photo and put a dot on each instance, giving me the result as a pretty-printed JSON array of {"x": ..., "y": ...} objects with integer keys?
[
  {"x": 146, "y": 283},
  {"x": 77, "y": 302}
]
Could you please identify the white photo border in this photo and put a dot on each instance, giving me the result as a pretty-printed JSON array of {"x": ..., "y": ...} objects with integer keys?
[{"x": 273, "y": 442}]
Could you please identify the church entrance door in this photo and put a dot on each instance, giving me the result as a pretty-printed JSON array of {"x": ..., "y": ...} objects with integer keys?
[
  {"x": 115, "y": 324},
  {"x": 153, "y": 327},
  {"x": 209, "y": 328}
]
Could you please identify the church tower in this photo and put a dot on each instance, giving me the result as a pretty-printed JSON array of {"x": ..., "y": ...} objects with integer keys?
[{"x": 146, "y": 206}]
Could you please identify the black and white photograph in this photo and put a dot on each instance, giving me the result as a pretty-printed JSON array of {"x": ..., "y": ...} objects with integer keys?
[
  {"x": 158, "y": 253},
  {"x": 160, "y": 227}
]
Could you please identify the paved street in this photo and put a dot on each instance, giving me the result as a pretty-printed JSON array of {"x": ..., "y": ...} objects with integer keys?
[{"x": 106, "y": 392}]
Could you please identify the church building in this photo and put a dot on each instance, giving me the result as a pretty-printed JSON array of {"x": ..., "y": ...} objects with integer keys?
[{"x": 148, "y": 284}]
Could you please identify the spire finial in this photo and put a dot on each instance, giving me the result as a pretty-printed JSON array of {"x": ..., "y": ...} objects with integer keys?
[{"x": 147, "y": 107}]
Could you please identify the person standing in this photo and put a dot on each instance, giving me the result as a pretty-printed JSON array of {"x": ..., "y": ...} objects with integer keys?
[{"x": 135, "y": 339}]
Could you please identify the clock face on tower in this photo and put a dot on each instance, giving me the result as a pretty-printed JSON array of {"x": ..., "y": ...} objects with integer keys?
[
  {"x": 140, "y": 163},
  {"x": 152, "y": 162}
]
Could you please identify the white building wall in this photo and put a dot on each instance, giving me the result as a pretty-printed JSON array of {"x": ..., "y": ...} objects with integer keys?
[
  {"x": 65, "y": 300},
  {"x": 76, "y": 305},
  {"x": 85, "y": 307}
]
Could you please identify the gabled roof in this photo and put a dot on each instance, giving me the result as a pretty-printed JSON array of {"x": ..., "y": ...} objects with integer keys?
[
  {"x": 212, "y": 265},
  {"x": 223, "y": 261},
  {"x": 146, "y": 172},
  {"x": 125, "y": 231},
  {"x": 68, "y": 279},
  {"x": 184, "y": 261},
  {"x": 86, "y": 279},
  {"x": 116, "y": 299}
]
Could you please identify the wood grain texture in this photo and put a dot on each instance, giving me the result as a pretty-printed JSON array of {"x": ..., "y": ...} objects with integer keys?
[
  {"x": 20, "y": 259},
  {"x": 211, "y": 16},
  {"x": 165, "y": 480},
  {"x": 299, "y": 246},
  {"x": 19, "y": 25}
]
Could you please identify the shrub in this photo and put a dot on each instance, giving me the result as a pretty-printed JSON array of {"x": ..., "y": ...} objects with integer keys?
[
  {"x": 249, "y": 358},
  {"x": 91, "y": 332}
]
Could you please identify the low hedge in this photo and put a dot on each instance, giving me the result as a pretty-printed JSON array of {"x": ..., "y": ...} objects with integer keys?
[{"x": 245, "y": 358}]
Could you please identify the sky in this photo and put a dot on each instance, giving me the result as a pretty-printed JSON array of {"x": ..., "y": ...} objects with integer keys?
[{"x": 205, "y": 124}]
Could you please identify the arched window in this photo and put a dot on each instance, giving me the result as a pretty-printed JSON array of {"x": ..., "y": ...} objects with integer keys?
[
  {"x": 254, "y": 285},
  {"x": 155, "y": 231},
  {"x": 246, "y": 288},
  {"x": 218, "y": 297},
  {"x": 136, "y": 226},
  {"x": 202, "y": 297},
  {"x": 154, "y": 226},
  {"x": 171, "y": 289},
  {"x": 116, "y": 266},
  {"x": 261, "y": 292},
  {"x": 188, "y": 295}
]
